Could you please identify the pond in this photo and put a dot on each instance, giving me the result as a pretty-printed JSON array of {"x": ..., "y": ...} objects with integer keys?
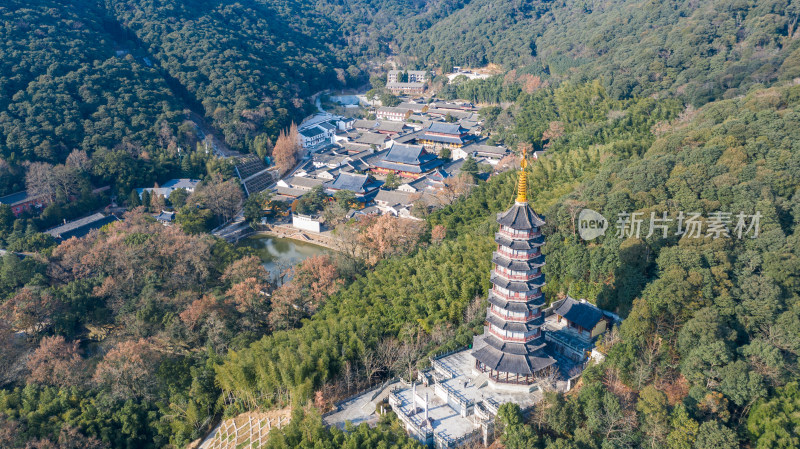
[{"x": 279, "y": 254}]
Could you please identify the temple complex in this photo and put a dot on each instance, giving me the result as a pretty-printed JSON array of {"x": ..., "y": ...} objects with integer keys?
[{"x": 525, "y": 349}]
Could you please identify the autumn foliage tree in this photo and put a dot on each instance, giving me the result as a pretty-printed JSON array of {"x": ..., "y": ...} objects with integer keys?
[
  {"x": 244, "y": 268},
  {"x": 56, "y": 362},
  {"x": 126, "y": 370},
  {"x": 30, "y": 310},
  {"x": 249, "y": 297},
  {"x": 384, "y": 235},
  {"x": 287, "y": 149},
  {"x": 315, "y": 279},
  {"x": 137, "y": 254}
]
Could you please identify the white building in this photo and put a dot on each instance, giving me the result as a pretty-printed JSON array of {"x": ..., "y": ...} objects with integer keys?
[
  {"x": 413, "y": 76},
  {"x": 170, "y": 186},
  {"x": 313, "y": 136},
  {"x": 305, "y": 223},
  {"x": 393, "y": 114}
]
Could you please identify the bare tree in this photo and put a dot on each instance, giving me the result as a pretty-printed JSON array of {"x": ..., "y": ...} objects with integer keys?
[
  {"x": 454, "y": 188},
  {"x": 40, "y": 181},
  {"x": 388, "y": 353},
  {"x": 573, "y": 206},
  {"x": 49, "y": 182},
  {"x": 347, "y": 242},
  {"x": 407, "y": 357},
  {"x": 222, "y": 198},
  {"x": 79, "y": 160},
  {"x": 547, "y": 378},
  {"x": 349, "y": 375},
  {"x": 410, "y": 350},
  {"x": 474, "y": 309},
  {"x": 371, "y": 362}
]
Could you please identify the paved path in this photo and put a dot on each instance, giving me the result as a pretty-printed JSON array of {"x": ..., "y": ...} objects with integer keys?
[{"x": 358, "y": 409}]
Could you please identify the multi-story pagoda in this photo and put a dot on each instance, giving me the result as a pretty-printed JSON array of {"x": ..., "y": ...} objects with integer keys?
[{"x": 511, "y": 349}]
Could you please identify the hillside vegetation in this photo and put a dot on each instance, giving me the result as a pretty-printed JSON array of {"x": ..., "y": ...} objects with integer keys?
[
  {"x": 699, "y": 51},
  {"x": 143, "y": 336}
]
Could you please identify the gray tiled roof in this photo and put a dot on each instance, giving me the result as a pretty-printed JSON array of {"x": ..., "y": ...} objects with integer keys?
[
  {"x": 396, "y": 110},
  {"x": 290, "y": 192},
  {"x": 416, "y": 107},
  {"x": 327, "y": 125},
  {"x": 181, "y": 183},
  {"x": 395, "y": 127},
  {"x": 514, "y": 326},
  {"x": 487, "y": 149},
  {"x": 517, "y": 265},
  {"x": 518, "y": 286},
  {"x": 312, "y": 131},
  {"x": 365, "y": 124},
  {"x": 165, "y": 216},
  {"x": 507, "y": 362},
  {"x": 519, "y": 244},
  {"x": 392, "y": 197},
  {"x": 584, "y": 315},
  {"x": 372, "y": 139},
  {"x": 362, "y": 184},
  {"x": 14, "y": 198},
  {"x": 81, "y": 227},
  {"x": 515, "y": 306},
  {"x": 353, "y": 147},
  {"x": 399, "y": 84},
  {"x": 303, "y": 182},
  {"x": 513, "y": 347},
  {"x": 408, "y": 154},
  {"x": 446, "y": 128},
  {"x": 520, "y": 217},
  {"x": 408, "y": 158}
]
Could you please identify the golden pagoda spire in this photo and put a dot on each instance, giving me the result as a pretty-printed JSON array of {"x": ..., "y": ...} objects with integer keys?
[{"x": 522, "y": 182}]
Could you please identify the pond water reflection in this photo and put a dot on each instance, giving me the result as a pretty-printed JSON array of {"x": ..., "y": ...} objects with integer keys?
[{"x": 278, "y": 254}]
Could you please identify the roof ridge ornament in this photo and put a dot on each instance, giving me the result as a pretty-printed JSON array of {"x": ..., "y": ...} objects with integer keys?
[{"x": 522, "y": 182}]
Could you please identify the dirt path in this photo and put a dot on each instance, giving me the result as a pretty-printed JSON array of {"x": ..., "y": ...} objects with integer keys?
[{"x": 218, "y": 144}]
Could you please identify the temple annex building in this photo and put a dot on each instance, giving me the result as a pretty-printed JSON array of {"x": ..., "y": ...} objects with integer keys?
[{"x": 525, "y": 348}]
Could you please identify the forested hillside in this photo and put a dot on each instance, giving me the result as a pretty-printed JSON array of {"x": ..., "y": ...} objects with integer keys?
[
  {"x": 251, "y": 65},
  {"x": 66, "y": 87},
  {"x": 142, "y": 336},
  {"x": 121, "y": 77},
  {"x": 696, "y": 50}
]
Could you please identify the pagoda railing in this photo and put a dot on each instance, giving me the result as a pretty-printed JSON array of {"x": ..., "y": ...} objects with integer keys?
[
  {"x": 518, "y": 235},
  {"x": 517, "y": 277},
  {"x": 520, "y": 319},
  {"x": 514, "y": 339},
  {"x": 518, "y": 256},
  {"x": 516, "y": 296}
]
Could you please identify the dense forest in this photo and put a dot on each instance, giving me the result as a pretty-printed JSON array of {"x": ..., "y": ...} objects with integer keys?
[
  {"x": 65, "y": 87},
  {"x": 140, "y": 335},
  {"x": 699, "y": 51},
  {"x": 251, "y": 65},
  {"x": 120, "y": 79}
]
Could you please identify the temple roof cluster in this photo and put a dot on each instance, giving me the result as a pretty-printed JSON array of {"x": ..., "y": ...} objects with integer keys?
[{"x": 408, "y": 159}]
